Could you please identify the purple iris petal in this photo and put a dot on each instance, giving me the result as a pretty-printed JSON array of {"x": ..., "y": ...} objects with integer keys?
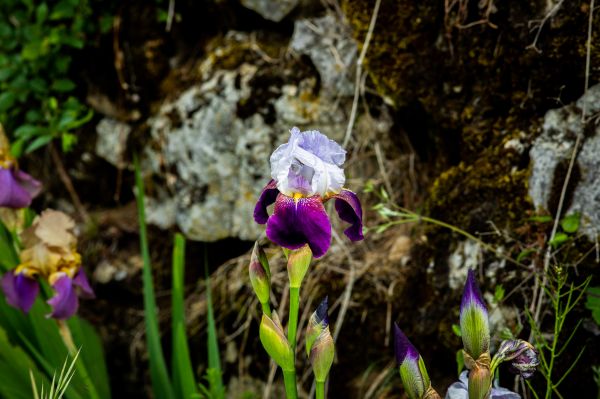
[
  {"x": 64, "y": 303},
  {"x": 20, "y": 290},
  {"x": 82, "y": 282},
  {"x": 321, "y": 313},
  {"x": 295, "y": 223},
  {"x": 349, "y": 210},
  {"x": 17, "y": 188},
  {"x": 403, "y": 347},
  {"x": 267, "y": 197}
]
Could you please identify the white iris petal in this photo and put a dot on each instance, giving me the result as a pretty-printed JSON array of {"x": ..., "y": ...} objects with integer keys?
[{"x": 327, "y": 178}]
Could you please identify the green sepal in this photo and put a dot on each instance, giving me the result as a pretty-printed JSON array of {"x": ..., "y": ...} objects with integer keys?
[
  {"x": 275, "y": 342},
  {"x": 321, "y": 355},
  {"x": 260, "y": 274},
  {"x": 298, "y": 263}
]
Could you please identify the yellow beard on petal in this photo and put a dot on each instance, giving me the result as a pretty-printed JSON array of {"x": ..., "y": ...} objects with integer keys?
[{"x": 297, "y": 196}]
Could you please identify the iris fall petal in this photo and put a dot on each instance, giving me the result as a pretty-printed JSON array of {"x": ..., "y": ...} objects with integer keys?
[
  {"x": 64, "y": 303},
  {"x": 295, "y": 223}
]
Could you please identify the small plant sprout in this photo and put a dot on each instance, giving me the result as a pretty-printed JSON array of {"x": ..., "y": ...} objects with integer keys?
[
  {"x": 319, "y": 347},
  {"x": 306, "y": 172},
  {"x": 412, "y": 368},
  {"x": 476, "y": 383},
  {"x": 17, "y": 188}
]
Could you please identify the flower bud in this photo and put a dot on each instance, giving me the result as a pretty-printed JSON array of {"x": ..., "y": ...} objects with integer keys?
[
  {"x": 260, "y": 275},
  {"x": 474, "y": 324},
  {"x": 480, "y": 383},
  {"x": 319, "y": 343},
  {"x": 412, "y": 368},
  {"x": 522, "y": 356},
  {"x": 298, "y": 263},
  {"x": 275, "y": 342}
]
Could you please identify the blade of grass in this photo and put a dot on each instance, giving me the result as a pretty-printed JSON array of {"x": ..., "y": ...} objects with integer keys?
[
  {"x": 214, "y": 361},
  {"x": 161, "y": 385},
  {"x": 184, "y": 383}
]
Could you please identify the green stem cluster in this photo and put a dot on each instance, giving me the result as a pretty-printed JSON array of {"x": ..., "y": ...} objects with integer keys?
[{"x": 563, "y": 298}]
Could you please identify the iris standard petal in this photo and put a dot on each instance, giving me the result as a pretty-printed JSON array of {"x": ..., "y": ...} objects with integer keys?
[
  {"x": 349, "y": 210},
  {"x": 267, "y": 197},
  {"x": 20, "y": 290},
  {"x": 64, "y": 303},
  {"x": 12, "y": 195},
  {"x": 81, "y": 281},
  {"x": 295, "y": 223}
]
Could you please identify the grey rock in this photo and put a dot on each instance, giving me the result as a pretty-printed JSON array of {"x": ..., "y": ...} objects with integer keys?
[
  {"x": 555, "y": 145},
  {"x": 331, "y": 48},
  {"x": 111, "y": 141},
  {"x": 213, "y": 159},
  {"x": 273, "y": 10}
]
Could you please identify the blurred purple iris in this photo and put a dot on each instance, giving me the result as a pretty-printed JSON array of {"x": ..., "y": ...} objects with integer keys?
[
  {"x": 306, "y": 172},
  {"x": 50, "y": 253},
  {"x": 21, "y": 291},
  {"x": 17, "y": 188}
]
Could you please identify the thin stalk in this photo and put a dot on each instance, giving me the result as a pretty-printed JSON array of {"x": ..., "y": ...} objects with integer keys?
[
  {"x": 67, "y": 337},
  {"x": 293, "y": 319},
  {"x": 320, "y": 390},
  {"x": 266, "y": 309},
  {"x": 289, "y": 380}
]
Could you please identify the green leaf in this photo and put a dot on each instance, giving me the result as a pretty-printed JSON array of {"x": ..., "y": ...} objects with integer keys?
[
  {"x": 525, "y": 253},
  {"x": 38, "y": 142},
  {"x": 559, "y": 239},
  {"x": 570, "y": 223},
  {"x": 63, "y": 85},
  {"x": 7, "y": 100},
  {"x": 41, "y": 13},
  {"x": 460, "y": 361},
  {"x": 593, "y": 303},
  {"x": 161, "y": 385},
  {"x": 499, "y": 293},
  {"x": 68, "y": 140},
  {"x": 184, "y": 383},
  {"x": 456, "y": 330},
  {"x": 26, "y": 132},
  {"x": 214, "y": 361},
  {"x": 63, "y": 10},
  {"x": 541, "y": 219}
]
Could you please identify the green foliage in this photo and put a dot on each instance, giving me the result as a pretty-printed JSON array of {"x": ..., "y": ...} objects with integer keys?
[
  {"x": 31, "y": 342},
  {"x": 37, "y": 40},
  {"x": 596, "y": 371},
  {"x": 563, "y": 297},
  {"x": 161, "y": 384},
  {"x": 59, "y": 386},
  {"x": 184, "y": 383},
  {"x": 593, "y": 303},
  {"x": 214, "y": 373}
]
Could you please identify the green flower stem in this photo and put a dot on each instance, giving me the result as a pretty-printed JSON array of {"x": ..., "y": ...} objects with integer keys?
[
  {"x": 65, "y": 333},
  {"x": 293, "y": 319},
  {"x": 289, "y": 380},
  {"x": 266, "y": 308},
  {"x": 320, "y": 391}
]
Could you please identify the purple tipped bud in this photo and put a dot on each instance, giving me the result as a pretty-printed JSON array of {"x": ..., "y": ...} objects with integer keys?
[
  {"x": 412, "y": 368},
  {"x": 319, "y": 342},
  {"x": 260, "y": 275},
  {"x": 522, "y": 356},
  {"x": 474, "y": 323}
]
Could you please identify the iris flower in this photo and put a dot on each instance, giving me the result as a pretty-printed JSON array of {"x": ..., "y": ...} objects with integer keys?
[
  {"x": 17, "y": 188},
  {"x": 49, "y": 253},
  {"x": 459, "y": 390},
  {"x": 307, "y": 172}
]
